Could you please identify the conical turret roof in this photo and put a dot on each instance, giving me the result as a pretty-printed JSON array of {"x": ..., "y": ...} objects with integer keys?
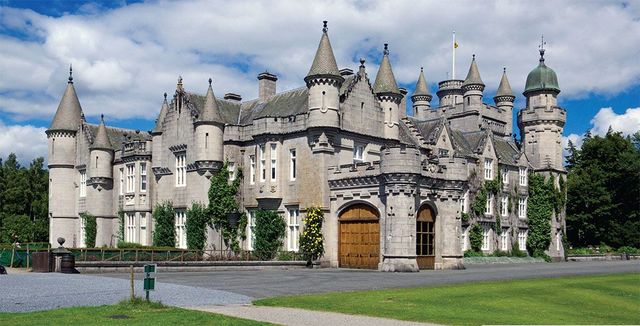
[
  {"x": 385, "y": 80},
  {"x": 421, "y": 87},
  {"x": 324, "y": 63},
  {"x": 504, "y": 89},
  {"x": 102, "y": 138},
  {"x": 69, "y": 113},
  {"x": 210, "y": 112},
  {"x": 162, "y": 115},
  {"x": 473, "y": 76}
]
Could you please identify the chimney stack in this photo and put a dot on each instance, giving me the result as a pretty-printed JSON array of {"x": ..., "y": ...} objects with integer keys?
[{"x": 266, "y": 85}]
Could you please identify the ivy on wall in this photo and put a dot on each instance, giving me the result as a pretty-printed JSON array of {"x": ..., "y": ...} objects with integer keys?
[
  {"x": 540, "y": 207},
  {"x": 196, "y": 226},
  {"x": 475, "y": 237},
  {"x": 164, "y": 234},
  {"x": 269, "y": 232},
  {"x": 121, "y": 225},
  {"x": 90, "y": 229},
  {"x": 223, "y": 201}
]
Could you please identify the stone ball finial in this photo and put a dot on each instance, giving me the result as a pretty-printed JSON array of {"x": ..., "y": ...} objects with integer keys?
[
  {"x": 473, "y": 56},
  {"x": 324, "y": 26},
  {"x": 386, "y": 49},
  {"x": 362, "y": 61},
  {"x": 165, "y": 96},
  {"x": 210, "y": 80},
  {"x": 61, "y": 241}
]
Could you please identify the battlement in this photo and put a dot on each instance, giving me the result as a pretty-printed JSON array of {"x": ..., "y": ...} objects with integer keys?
[
  {"x": 401, "y": 159},
  {"x": 537, "y": 114}
]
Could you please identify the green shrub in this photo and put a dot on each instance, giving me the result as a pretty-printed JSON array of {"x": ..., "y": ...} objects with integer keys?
[
  {"x": 164, "y": 234},
  {"x": 471, "y": 253},
  {"x": 475, "y": 237},
  {"x": 133, "y": 245},
  {"x": 196, "y": 225},
  {"x": 222, "y": 202},
  {"x": 269, "y": 232},
  {"x": 628, "y": 250},
  {"x": 516, "y": 252},
  {"x": 90, "y": 229},
  {"x": 312, "y": 240}
]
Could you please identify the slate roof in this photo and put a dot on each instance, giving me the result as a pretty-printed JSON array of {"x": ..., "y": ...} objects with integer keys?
[
  {"x": 421, "y": 87},
  {"x": 473, "y": 76},
  {"x": 504, "y": 89},
  {"x": 210, "y": 111},
  {"x": 428, "y": 129},
  {"x": 228, "y": 110},
  {"x": 324, "y": 63},
  {"x": 101, "y": 140},
  {"x": 385, "y": 80},
  {"x": 69, "y": 113},
  {"x": 163, "y": 113},
  {"x": 284, "y": 104},
  {"x": 117, "y": 136}
]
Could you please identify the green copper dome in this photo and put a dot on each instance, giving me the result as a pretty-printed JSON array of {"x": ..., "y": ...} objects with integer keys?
[{"x": 542, "y": 78}]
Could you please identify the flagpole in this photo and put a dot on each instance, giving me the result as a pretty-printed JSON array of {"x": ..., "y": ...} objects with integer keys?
[{"x": 453, "y": 64}]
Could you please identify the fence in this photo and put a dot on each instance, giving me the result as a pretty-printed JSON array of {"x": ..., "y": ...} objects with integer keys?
[{"x": 20, "y": 255}]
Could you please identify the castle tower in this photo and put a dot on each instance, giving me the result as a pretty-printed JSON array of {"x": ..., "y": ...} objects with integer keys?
[
  {"x": 324, "y": 81},
  {"x": 63, "y": 176},
  {"x": 209, "y": 131},
  {"x": 504, "y": 100},
  {"x": 542, "y": 122},
  {"x": 421, "y": 97},
  {"x": 100, "y": 185},
  {"x": 472, "y": 87},
  {"x": 156, "y": 134},
  {"x": 387, "y": 92}
]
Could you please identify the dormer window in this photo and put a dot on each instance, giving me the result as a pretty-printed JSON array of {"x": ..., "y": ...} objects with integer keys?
[{"x": 488, "y": 169}]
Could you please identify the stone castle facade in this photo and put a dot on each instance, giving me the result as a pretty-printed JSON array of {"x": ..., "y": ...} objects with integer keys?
[{"x": 396, "y": 189}]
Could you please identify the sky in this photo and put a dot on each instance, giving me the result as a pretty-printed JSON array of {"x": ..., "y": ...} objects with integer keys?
[{"x": 126, "y": 54}]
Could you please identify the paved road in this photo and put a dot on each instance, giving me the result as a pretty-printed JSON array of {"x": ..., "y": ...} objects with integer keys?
[{"x": 269, "y": 283}]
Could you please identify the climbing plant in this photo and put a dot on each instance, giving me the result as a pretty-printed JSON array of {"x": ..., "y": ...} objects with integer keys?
[
  {"x": 269, "y": 232},
  {"x": 164, "y": 234},
  {"x": 196, "y": 226},
  {"x": 540, "y": 207},
  {"x": 475, "y": 237},
  {"x": 223, "y": 201},
  {"x": 90, "y": 229},
  {"x": 121, "y": 225},
  {"x": 312, "y": 240}
]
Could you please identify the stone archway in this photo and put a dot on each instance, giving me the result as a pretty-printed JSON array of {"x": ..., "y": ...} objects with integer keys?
[
  {"x": 425, "y": 237},
  {"x": 359, "y": 237}
]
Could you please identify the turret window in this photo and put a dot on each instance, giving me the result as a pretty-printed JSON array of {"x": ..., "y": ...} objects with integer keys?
[
  {"x": 131, "y": 177},
  {"x": 83, "y": 183},
  {"x": 206, "y": 140},
  {"x": 488, "y": 169},
  {"x": 181, "y": 169},
  {"x": 143, "y": 177}
]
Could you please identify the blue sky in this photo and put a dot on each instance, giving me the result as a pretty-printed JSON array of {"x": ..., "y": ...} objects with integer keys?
[{"x": 127, "y": 53}]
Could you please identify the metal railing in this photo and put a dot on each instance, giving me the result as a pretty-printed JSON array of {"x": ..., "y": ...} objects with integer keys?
[{"x": 179, "y": 255}]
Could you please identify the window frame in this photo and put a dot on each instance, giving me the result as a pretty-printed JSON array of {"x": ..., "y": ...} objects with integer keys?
[
  {"x": 504, "y": 206},
  {"x": 488, "y": 210},
  {"x": 83, "y": 183},
  {"x": 181, "y": 228},
  {"x": 273, "y": 153},
  {"x": 488, "y": 169},
  {"x": 252, "y": 169},
  {"x": 485, "y": 239},
  {"x": 522, "y": 207},
  {"x": 143, "y": 177},
  {"x": 358, "y": 153},
  {"x": 131, "y": 178},
  {"x": 292, "y": 164},
  {"x": 181, "y": 169},
  {"x": 523, "y": 179},
  {"x": 263, "y": 163},
  {"x": 293, "y": 229}
]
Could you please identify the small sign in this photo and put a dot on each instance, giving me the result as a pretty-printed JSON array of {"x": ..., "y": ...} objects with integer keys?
[
  {"x": 149, "y": 284},
  {"x": 151, "y": 268}
]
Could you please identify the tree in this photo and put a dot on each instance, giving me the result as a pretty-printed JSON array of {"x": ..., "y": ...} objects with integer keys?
[
  {"x": 269, "y": 232},
  {"x": 475, "y": 237},
  {"x": 223, "y": 201},
  {"x": 90, "y": 229},
  {"x": 197, "y": 221},
  {"x": 312, "y": 240},
  {"x": 164, "y": 234}
]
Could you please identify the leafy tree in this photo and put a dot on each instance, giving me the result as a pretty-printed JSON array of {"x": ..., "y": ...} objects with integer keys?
[
  {"x": 90, "y": 229},
  {"x": 475, "y": 237},
  {"x": 223, "y": 201},
  {"x": 16, "y": 228},
  {"x": 603, "y": 191},
  {"x": 269, "y": 232},
  {"x": 164, "y": 234},
  {"x": 197, "y": 221},
  {"x": 311, "y": 239}
]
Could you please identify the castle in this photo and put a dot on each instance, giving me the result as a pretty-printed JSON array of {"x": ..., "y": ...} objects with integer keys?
[{"x": 396, "y": 189}]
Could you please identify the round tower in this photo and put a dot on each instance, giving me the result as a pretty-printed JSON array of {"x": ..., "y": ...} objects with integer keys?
[
  {"x": 100, "y": 185},
  {"x": 421, "y": 97},
  {"x": 324, "y": 81},
  {"x": 63, "y": 176},
  {"x": 473, "y": 87},
  {"x": 389, "y": 96},
  {"x": 504, "y": 101},
  {"x": 209, "y": 130}
]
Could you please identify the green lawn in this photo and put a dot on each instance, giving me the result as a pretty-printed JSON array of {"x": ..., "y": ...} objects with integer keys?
[
  {"x": 606, "y": 299},
  {"x": 139, "y": 313}
]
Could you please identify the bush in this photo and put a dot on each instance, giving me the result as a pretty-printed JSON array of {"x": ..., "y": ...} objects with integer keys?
[
  {"x": 628, "y": 250},
  {"x": 471, "y": 253},
  {"x": 133, "y": 245},
  {"x": 516, "y": 252},
  {"x": 312, "y": 240},
  {"x": 90, "y": 229},
  {"x": 475, "y": 237},
  {"x": 197, "y": 220},
  {"x": 164, "y": 234},
  {"x": 269, "y": 232}
]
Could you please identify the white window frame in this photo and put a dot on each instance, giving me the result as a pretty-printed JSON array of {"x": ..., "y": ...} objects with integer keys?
[
  {"x": 522, "y": 207},
  {"x": 488, "y": 169},
  {"x": 358, "y": 153},
  {"x": 131, "y": 177},
  {"x": 464, "y": 207},
  {"x": 505, "y": 176},
  {"x": 181, "y": 229},
  {"x": 293, "y": 228},
  {"x": 522, "y": 240},
  {"x": 522, "y": 173},
  {"x": 504, "y": 206},
  {"x": 130, "y": 227},
  {"x": 143, "y": 177},
  {"x": 121, "y": 181},
  {"x": 231, "y": 168},
  {"x": 263, "y": 164},
  {"x": 485, "y": 239},
  {"x": 143, "y": 229},
  {"x": 463, "y": 239},
  {"x": 252, "y": 169},
  {"x": 488, "y": 210},
  {"x": 504, "y": 238},
  {"x": 181, "y": 169},
  {"x": 558, "y": 241},
  {"x": 292, "y": 164},
  {"x": 83, "y": 183},
  {"x": 251, "y": 224},
  {"x": 274, "y": 161}
]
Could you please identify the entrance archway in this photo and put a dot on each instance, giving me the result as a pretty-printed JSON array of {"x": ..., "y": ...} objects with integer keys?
[
  {"x": 425, "y": 237},
  {"x": 359, "y": 243}
]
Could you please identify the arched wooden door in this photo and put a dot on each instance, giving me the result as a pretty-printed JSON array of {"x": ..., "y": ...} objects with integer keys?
[
  {"x": 359, "y": 244},
  {"x": 425, "y": 237}
]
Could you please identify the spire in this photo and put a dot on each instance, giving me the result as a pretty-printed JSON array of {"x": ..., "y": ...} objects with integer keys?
[
  {"x": 541, "y": 49},
  {"x": 473, "y": 77},
  {"x": 69, "y": 113},
  {"x": 385, "y": 81},
  {"x": 504, "y": 89},
  {"x": 421, "y": 87},
  {"x": 101, "y": 141},
  {"x": 324, "y": 62},
  {"x": 210, "y": 112},
  {"x": 163, "y": 113}
]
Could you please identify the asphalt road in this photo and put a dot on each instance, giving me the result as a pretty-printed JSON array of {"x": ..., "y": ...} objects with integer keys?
[{"x": 270, "y": 283}]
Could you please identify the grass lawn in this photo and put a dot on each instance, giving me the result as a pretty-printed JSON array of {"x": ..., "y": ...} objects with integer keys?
[
  {"x": 125, "y": 313},
  {"x": 605, "y": 299}
]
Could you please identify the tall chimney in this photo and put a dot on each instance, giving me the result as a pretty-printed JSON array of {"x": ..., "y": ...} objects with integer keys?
[{"x": 266, "y": 85}]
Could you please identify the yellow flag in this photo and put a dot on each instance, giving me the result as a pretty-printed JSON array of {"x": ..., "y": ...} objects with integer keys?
[{"x": 455, "y": 45}]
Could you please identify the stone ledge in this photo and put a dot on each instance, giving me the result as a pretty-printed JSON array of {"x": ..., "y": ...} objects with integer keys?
[{"x": 501, "y": 260}]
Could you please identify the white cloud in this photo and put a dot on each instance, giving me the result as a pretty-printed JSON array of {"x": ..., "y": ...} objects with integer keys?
[
  {"x": 27, "y": 142},
  {"x": 124, "y": 59},
  {"x": 627, "y": 123}
]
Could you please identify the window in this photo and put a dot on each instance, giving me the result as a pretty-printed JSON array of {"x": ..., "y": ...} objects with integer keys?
[
  {"x": 293, "y": 227},
  {"x": 488, "y": 210},
  {"x": 504, "y": 206},
  {"x": 181, "y": 169},
  {"x": 523, "y": 176},
  {"x": 231, "y": 168},
  {"x": 263, "y": 172},
  {"x": 143, "y": 177},
  {"x": 251, "y": 224},
  {"x": 522, "y": 207},
  {"x": 463, "y": 202},
  {"x": 558, "y": 240},
  {"x": 181, "y": 230},
  {"x": 505, "y": 176},
  {"x": 143, "y": 229},
  {"x": 443, "y": 152},
  {"x": 83, "y": 232},
  {"x": 522, "y": 240},
  {"x": 358, "y": 153},
  {"x": 485, "y": 239},
  {"x": 130, "y": 227},
  {"x": 463, "y": 239},
  {"x": 504, "y": 238},
  {"x": 274, "y": 156},
  {"x": 488, "y": 169},
  {"x": 292, "y": 164},
  {"x": 83, "y": 183},
  {"x": 252, "y": 169},
  {"x": 121, "y": 181},
  {"x": 131, "y": 177}
]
